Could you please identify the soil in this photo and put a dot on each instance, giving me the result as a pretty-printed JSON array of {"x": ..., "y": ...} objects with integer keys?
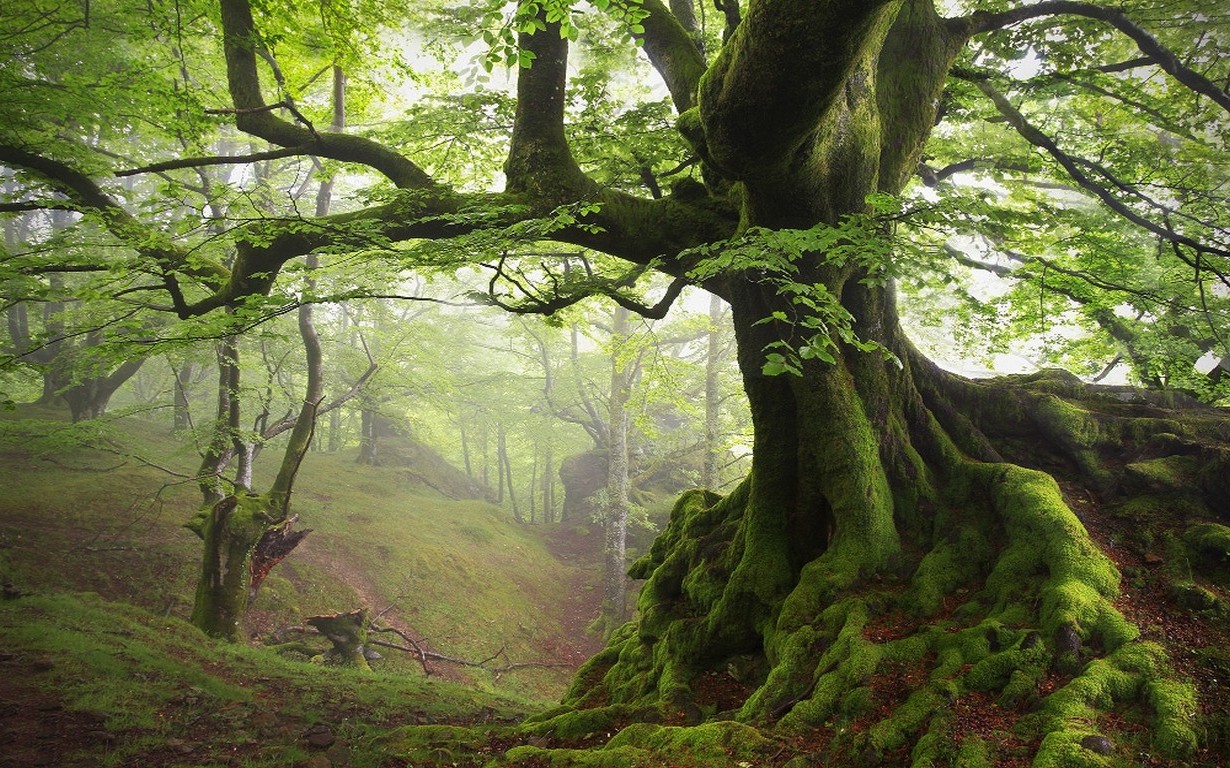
[{"x": 581, "y": 549}]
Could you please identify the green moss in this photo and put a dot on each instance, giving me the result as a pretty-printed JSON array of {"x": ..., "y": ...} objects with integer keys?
[
  {"x": 1209, "y": 545},
  {"x": 718, "y": 743},
  {"x": 1175, "y": 709},
  {"x": 1168, "y": 473},
  {"x": 624, "y": 757},
  {"x": 433, "y": 744},
  {"x": 846, "y": 664},
  {"x": 1194, "y": 597},
  {"x": 1063, "y": 749},
  {"x": 973, "y": 753},
  {"x": 946, "y": 567},
  {"x": 1048, "y": 543},
  {"x": 585, "y": 723},
  {"x": 910, "y": 717},
  {"x": 995, "y": 672}
]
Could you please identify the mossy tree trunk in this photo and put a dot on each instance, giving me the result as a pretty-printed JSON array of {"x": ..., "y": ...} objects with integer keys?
[{"x": 881, "y": 488}]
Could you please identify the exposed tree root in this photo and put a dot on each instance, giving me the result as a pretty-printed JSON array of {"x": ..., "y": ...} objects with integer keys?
[{"x": 996, "y": 607}]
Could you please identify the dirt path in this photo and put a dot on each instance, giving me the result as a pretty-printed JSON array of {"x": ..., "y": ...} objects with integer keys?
[{"x": 582, "y": 553}]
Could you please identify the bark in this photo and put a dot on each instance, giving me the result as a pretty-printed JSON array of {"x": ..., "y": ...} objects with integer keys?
[
  {"x": 348, "y": 634},
  {"x": 615, "y": 521}
]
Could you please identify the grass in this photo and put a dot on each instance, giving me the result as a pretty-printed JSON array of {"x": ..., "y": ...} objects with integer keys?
[
  {"x": 77, "y": 516},
  {"x": 157, "y": 692}
]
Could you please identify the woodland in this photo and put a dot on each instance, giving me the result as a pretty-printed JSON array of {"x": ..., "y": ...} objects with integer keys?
[{"x": 882, "y": 343}]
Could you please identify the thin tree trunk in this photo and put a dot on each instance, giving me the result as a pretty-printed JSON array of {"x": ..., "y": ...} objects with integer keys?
[
  {"x": 465, "y": 446},
  {"x": 615, "y": 565},
  {"x": 181, "y": 407},
  {"x": 713, "y": 394},
  {"x": 534, "y": 486}
]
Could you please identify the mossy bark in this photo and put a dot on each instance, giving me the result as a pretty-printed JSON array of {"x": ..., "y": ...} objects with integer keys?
[
  {"x": 882, "y": 491},
  {"x": 231, "y": 530}
]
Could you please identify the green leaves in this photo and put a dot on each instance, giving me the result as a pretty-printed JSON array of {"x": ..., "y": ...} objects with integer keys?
[{"x": 791, "y": 261}]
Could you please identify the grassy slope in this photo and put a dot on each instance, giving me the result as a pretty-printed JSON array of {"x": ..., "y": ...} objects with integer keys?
[{"x": 457, "y": 574}]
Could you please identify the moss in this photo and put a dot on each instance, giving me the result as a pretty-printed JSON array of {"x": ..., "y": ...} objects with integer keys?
[
  {"x": 433, "y": 744},
  {"x": 624, "y": 757},
  {"x": 973, "y": 753},
  {"x": 846, "y": 664},
  {"x": 1209, "y": 547},
  {"x": 946, "y": 567},
  {"x": 1194, "y": 597},
  {"x": 1175, "y": 709},
  {"x": 1075, "y": 430},
  {"x": 586, "y": 723},
  {"x": 996, "y": 671},
  {"x": 1063, "y": 749},
  {"x": 910, "y": 717},
  {"x": 1134, "y": 672},
  {"x": 711, "y": 744},
  {"x": 1047, "y": 541},
  {"x": 1168, "y": 473}
]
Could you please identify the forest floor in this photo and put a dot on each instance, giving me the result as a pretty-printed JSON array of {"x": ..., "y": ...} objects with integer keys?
[
  {"x": 214, "y": 707},
  {"x": 267, "y": 713},
  {"x": 117, "y": 678}
]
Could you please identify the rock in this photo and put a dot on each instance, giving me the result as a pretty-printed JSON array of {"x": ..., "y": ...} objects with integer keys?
[
  {"x": 1067, "y": 642},
  {"x": 1098, "y": 744},
  {"x": 320, "y": 736}
]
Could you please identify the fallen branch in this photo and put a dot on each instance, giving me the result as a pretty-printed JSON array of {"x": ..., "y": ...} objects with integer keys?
[{"x": 416, "y": 648}]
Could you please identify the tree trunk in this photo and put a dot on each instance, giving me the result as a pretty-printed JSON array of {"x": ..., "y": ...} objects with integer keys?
[
  {"x": 615, "y": 522},
  {"x": 368, "y": 437},
  {"x": 884, "y": 525},
  {"x": 713, "y": 398},
  {"x": 182, "y": 415},
  {"x": 504, "y": 465}
]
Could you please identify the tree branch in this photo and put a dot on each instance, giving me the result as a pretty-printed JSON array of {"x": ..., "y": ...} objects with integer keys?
[
  {"x": 241, "y": 41},
  {"x": 981, "y": 22},
  {"x": 197, "y": 162},
  {"x": 673, "y": 53},
  {"x": 1074, "y": 167}
]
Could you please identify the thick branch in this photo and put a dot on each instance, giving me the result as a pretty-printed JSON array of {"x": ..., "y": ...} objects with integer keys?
[
  {"x": 540, "y": 162},
  {"x": 253, "y": 116},
  {"x": 781, "y": 71},
  {"x": 673, "y": 53}
]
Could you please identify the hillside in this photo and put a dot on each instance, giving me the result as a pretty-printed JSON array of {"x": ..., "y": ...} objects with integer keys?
[{"x": 101, "y": 509}]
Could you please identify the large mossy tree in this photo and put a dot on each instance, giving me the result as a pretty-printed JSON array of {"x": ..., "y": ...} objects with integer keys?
[{"x": 883, "y": 490}]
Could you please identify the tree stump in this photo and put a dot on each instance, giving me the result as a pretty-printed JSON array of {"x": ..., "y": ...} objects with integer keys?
[{"x": 348, "y": 633}]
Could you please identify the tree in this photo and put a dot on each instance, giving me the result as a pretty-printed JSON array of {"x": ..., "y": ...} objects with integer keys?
[{"x": 879, "y": 483}]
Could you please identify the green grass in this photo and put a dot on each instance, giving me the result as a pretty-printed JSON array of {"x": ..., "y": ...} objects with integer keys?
[
  {"x": 155, "y": 682},
  {"x": 77, "y": 516}
]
